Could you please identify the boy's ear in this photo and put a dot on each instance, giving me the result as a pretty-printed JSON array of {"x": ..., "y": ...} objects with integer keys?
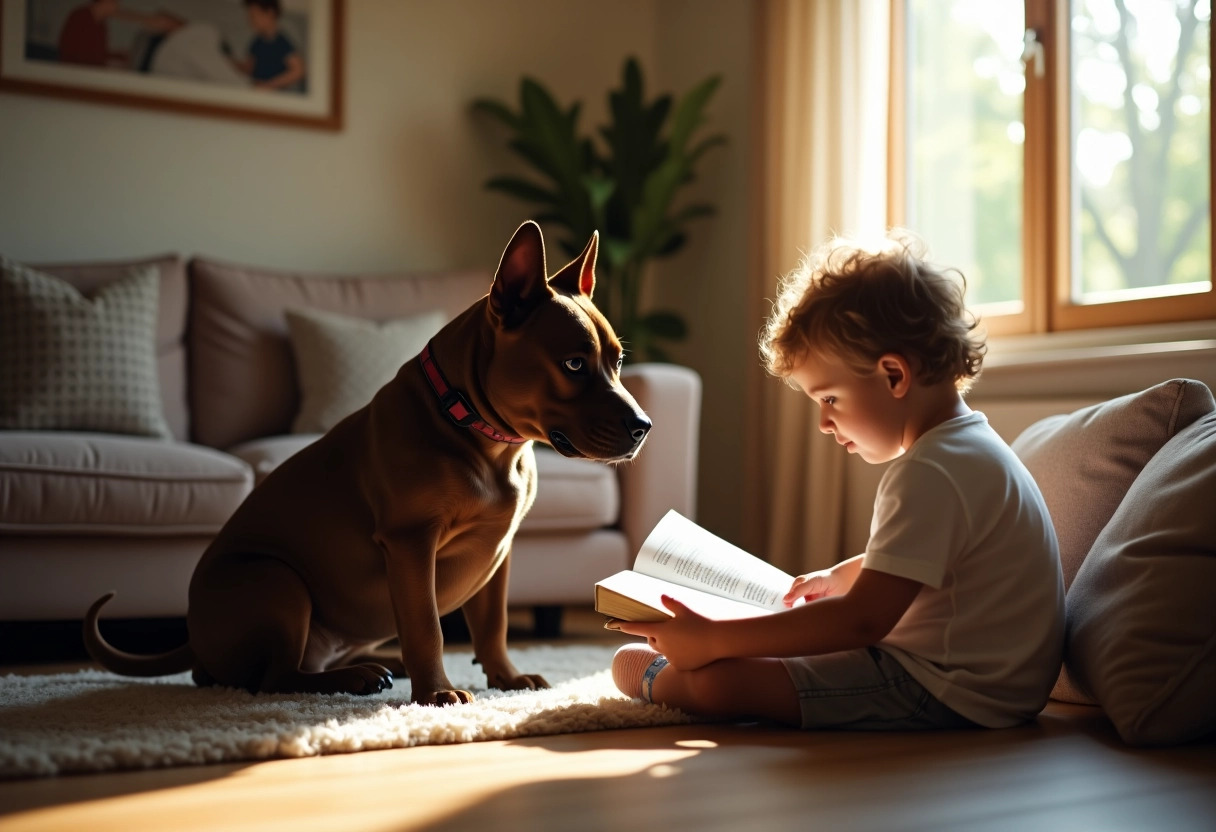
[{"x": 898, "y": 373}]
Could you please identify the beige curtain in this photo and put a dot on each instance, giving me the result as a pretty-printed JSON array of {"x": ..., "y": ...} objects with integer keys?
[{"x": 819, "y": 169}]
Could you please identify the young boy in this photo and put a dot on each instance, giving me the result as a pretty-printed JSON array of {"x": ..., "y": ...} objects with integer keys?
[
  {"x": 273, "y": 62},
  {"x": 954, "y": 615}
]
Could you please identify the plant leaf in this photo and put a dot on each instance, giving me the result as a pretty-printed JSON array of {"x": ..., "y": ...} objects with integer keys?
[
  {"x": 688, "y": 112},
  {"x": 704, "y": 145},
  {"x": 616, "y": 251},
  {"x": 623, "y": 185},
  {"x": 498, "y": 110},
  {"x": 599, "y": 189}
]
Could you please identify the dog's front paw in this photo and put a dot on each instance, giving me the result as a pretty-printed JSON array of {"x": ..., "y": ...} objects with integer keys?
[
  {"x": 443, "y": 697},
  {"x": 519, "y": 681}
]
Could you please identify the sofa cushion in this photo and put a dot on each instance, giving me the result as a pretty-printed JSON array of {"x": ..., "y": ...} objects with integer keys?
[
  {"x": 342, "y": 361},
  {"x": 1141, "y": 614},
  {"x": 242, "y": 379},
  {"x": 265, "y": 454},
  {"x": 93, "y": 483},
  {"x": 1085, "y": 461},
  {"x": 170, "y": 322},
  {"x": 571, "y": 494},
  {"x": 71, "y": 362}
]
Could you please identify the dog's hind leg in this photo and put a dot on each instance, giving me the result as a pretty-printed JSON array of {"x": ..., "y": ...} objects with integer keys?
[{"x": 249, "y": 627}]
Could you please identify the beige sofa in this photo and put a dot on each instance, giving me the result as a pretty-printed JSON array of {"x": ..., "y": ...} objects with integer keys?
[{"x": 84, "y": 512}]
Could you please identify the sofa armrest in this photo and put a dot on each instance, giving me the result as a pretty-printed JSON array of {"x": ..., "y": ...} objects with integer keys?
[{"x": 664, "y": 474}]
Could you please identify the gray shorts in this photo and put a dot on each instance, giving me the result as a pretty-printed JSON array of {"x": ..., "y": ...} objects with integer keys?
[{"x": 865, "y": 690}]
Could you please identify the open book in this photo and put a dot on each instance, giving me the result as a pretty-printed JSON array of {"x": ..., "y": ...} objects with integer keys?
[{"x": 696, "y": 567}]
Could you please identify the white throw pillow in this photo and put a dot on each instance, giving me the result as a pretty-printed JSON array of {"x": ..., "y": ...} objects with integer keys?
[
  {"x": 71, "y": 362},
  {"x": 342, "y": 361}
]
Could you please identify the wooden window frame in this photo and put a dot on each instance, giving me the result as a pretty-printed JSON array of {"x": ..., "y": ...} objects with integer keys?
[{"x": 1046, "y": 191}]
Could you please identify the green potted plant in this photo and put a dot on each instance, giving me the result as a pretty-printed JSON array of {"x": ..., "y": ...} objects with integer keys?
[{"x": 624, "y": 186}]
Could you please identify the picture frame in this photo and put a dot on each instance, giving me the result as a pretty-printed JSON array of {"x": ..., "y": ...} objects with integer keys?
[{"x": 222, "y": 58}]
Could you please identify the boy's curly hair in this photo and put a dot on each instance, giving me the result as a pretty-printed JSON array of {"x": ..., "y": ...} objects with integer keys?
[{"x": 860, "y": 303}]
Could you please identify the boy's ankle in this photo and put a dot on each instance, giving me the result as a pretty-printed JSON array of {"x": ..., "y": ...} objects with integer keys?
[{"x": 633, "y": 670}]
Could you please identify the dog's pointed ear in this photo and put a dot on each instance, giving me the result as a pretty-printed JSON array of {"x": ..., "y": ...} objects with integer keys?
[
  {"x": 578, "y": 276},
  {"x": 519, "y": 284}
]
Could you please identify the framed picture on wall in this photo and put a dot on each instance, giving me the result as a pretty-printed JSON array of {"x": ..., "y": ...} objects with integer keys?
[{"x": 270, "y": 60}]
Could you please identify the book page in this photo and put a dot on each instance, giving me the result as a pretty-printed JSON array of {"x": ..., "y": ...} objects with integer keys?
[
  {"x": 680, "y": 551},
  {"x": 648, "y": 591}
]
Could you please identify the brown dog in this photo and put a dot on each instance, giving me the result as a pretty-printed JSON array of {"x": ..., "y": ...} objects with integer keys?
[{"x": 406, "y": 509}]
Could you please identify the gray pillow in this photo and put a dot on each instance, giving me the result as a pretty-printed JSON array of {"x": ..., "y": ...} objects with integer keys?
[
  {"x": 70, "y": 362},
  {"x": 1141, "y": 616},
  {"x": 1085, "y": 461}
]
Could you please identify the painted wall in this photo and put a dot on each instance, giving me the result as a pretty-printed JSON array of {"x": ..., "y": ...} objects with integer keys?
[
  {"x": 399, "y": 188},
  {"x": 707, "y": 280}
]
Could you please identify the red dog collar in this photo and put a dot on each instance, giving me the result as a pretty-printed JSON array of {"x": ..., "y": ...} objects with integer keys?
[{"x": 455, "y": 405}]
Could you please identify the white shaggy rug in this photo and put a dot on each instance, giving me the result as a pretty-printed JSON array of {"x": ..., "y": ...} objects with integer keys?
[{"x": 95, "y": 721}]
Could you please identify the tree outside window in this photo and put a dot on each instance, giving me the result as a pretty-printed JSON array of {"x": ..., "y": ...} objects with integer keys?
[{"x": 1059, "y": 153}]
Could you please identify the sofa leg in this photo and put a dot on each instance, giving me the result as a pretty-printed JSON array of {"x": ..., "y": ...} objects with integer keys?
[{"x": 547, "y": 620}]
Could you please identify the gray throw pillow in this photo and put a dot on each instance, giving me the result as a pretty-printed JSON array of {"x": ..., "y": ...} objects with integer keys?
[
  {"x": 70, "y": 362},
  {"x": 1085, "y": 461},
  {"x": 1141, "y": 619},
  {"x": 342, "y": 361}
]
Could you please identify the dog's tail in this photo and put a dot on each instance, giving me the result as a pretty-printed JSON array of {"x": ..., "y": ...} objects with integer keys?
[{"x": 178, "y": 660}]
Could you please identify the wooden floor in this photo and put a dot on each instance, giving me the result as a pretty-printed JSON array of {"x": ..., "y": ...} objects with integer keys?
[{"x": 1067, "y": 771}]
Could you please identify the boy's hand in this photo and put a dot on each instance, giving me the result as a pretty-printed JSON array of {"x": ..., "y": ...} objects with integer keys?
[
  {"x": 813, "y": 586},
  {"x": 684, "y": 640}
]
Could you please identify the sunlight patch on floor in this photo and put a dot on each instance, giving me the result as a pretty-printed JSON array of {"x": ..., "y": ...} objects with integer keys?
[{"x": 388, "y": 785}]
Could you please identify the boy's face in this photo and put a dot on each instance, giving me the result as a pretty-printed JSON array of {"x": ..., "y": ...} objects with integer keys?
[
  {"x": 864, "y": 413},
  {"x": 263, "y": 21}
]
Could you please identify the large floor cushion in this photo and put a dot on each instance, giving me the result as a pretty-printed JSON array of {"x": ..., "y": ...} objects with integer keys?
[
  {"x": 1085, "y": 461},
  {"x": 1141, "y": 617},
  {"x": 62, "y": 483}
]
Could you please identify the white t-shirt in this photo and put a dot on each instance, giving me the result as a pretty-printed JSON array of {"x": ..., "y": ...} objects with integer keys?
[{"x": 959, "y": 513}]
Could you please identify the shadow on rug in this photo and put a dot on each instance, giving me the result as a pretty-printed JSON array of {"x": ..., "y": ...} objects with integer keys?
[{"x": 96, "y": 721}]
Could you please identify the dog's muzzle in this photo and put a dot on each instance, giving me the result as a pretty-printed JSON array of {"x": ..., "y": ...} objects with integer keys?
[
  {"x": 561, "y": 444},
  {"x": 637, "y": 427}
]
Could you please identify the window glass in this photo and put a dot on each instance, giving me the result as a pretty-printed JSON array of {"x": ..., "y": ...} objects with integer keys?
[
  {"x": 965, "y": 137},
  {"x": 1140, "y": 100}
]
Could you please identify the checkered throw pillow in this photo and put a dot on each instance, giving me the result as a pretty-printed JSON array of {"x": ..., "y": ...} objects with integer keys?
[{"x": 70, "y": 362}]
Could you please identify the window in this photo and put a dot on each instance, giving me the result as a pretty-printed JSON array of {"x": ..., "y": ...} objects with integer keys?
[{"x": 1059, "y": 153}]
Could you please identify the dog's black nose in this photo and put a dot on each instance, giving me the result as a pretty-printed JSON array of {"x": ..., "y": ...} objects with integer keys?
[{"x": 638, "y": 426}]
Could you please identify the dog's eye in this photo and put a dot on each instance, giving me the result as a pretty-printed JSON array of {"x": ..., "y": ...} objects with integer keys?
[
  {"x": 574, "y": 365},
  {"x": 620, "y": 362}
]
